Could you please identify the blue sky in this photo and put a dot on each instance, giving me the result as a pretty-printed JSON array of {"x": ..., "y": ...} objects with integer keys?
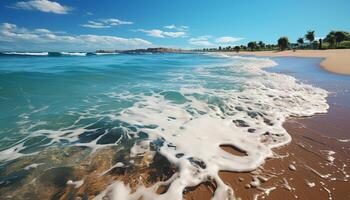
[{"x": 87, "y": 25}]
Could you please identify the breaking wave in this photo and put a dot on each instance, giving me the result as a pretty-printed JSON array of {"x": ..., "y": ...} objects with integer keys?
[
  {"x": 237, "y": 104},
  {"x": 54, "y": 54}
]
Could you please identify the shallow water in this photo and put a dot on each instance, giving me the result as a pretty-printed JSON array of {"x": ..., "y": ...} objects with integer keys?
[
  {"x": 308, "y": 70},
  {"x": 181, "y": 106}
]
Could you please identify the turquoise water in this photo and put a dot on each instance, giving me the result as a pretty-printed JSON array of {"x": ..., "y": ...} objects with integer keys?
[
  {"x": 60, "y": 114},
  {"x": 54, "y": 93}
]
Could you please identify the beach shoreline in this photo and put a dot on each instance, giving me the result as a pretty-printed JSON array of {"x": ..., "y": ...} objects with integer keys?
[
  {"x": 313, "y": 166},
  {"x": 335, "y": 60},
  {"x": 307, "y": 168}
]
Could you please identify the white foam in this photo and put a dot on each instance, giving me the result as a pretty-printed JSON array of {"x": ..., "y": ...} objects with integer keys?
[
  {"x": 292, "y": 167},
  {"x": 310, "y": 184},
  {"x": 197, "y": 128},
  {"x": 31, "y": 166},
  {"x": 330, "y": 156},
  {"x": 249, "y": 118},
  {"x": 286, "y": 185},
  {"x": 76, "y": 184},
  {"x": 73, "y": 53},
  {"x": 344, "y": 140},
  {"x": 111, "y": 53},
  {"x": 28, "y": 53},
  {"x": 117, "y": 165}
]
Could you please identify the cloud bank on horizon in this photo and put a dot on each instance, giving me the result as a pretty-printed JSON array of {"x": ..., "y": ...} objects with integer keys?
[
  {"x": 11, "y": 33},
  {"x": 210, "y": 41},
  {"x": 15, "y": 37},
  {"x": 105, "y": 23}
]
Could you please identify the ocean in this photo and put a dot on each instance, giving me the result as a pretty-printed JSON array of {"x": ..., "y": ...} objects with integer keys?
[{"x": 60, "y": 114}]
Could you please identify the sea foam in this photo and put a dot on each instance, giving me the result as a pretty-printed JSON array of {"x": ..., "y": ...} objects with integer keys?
[
  {"x": 192, "y": 120},
  {"x": 73, "y": 53},
  {"x": 249, "y": 120},
  {"x": 27, "y": 53}
]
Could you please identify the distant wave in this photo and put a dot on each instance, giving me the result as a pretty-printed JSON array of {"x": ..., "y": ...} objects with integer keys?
[
  {"x": 101, "y": 54},
  {"x": 26, "y": 53},
  {"x": 54, "y": 54},
  {"x": 73, "y": 54}
]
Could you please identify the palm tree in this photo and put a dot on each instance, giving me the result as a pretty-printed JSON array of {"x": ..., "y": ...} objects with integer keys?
[
  {"x": 283, "y": 43},
  {"x": 310, "y": 35}
]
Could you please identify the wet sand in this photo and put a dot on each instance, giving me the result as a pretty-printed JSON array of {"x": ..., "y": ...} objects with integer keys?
[
  {"x": 300, "y": 169},
  {"x": 335, "y": 60},
  {"x": 316, "y": 164}
]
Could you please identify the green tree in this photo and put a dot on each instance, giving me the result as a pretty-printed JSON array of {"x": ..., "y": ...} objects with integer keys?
[
  {"x": 300, "y": 41},
  {"x": 283, "y": 43},
  {"x": 252, "y": 45},
  {"x": 219, "y": 48},
  {"x": 330, "y": 38},
  {"x": 237, "y": 48},
  {"x": 310, "y": 35},
  {"x": 314, "y": 44},
  {"x": 339, "y": 37},
  {"x": 261, "y": 45},
  {"x": 347, "y": 36}
]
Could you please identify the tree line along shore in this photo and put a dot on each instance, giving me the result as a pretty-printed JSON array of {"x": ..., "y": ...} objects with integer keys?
[{"x": 333, "y": 40}]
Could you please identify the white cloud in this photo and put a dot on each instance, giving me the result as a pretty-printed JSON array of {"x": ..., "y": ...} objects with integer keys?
[
  {"x": 162, "y": 34},
  {"x": 42, "y": 30},
  {"x": 115, "y": 22},
  {"x": 11, "y": 33},
  {"x": 208, "y": 40},
  {"x": 201, "y": 41},
  {"x": 227, "y": 39},
  {"x": 93, "y": 24},
  {"x": 105, "y": 23},
  {"x": 178, "y": 28},
  {"x": 42, "y": 5},
  {"x": 170, "y": 27}
]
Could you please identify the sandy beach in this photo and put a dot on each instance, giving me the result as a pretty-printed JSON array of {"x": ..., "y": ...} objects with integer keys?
[
  {"x": 174, "y": 100},
  {"x": 313, "y": 166},
  {"x": 336, "y": 61}
]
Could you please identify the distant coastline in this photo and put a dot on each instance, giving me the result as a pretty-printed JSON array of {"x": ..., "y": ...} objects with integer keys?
[
  {"x": 98, "y": 52},
  {"x": 148, "y": 50},
  {"x": 335, "y": 60}
]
